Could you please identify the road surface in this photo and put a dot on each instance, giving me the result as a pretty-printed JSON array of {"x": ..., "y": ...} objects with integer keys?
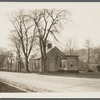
[{"x": 45, "y": 83}]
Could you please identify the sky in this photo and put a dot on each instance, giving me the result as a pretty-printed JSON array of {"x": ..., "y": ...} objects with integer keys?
[{"x": 85, "y": 20}]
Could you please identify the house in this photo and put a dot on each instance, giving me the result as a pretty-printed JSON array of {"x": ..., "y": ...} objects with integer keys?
[
  {"x": 56, "y": 61},
  {"x": 94, "y": 67},
  {"x": 69, "y": 63}
]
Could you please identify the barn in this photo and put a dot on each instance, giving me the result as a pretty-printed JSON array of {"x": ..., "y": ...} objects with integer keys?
[{"x": 56, "y": 61}]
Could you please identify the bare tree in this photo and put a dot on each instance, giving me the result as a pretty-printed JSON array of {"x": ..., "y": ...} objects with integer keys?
[
  {"x": 17, "y": 45},
  {"x": 82, "y": 59},
  {"x": 48, "y": 22},
  {"x": 88, "y": 45},
  {"x": 9, "y": 59},
  {"x": 2, "y": 59},
  {"x": 25, "y": 30},
  {"x": 71, "y": 45},
  {"x": 95, "y": 55}
]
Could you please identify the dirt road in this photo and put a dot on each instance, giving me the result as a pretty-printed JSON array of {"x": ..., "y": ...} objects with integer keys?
[{"x": 46, "y": 83}]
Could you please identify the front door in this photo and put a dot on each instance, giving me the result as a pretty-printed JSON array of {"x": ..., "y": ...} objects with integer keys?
[{"x": 64, "y": 64}]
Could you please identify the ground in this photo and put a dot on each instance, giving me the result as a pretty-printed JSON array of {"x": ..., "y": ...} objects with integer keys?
[
  {"x": 53, "y": 82},
  {"x": 6, "y": 88}
]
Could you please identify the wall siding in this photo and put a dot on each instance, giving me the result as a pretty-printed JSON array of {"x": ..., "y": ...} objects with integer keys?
[
  {"x": 52, "y": 59},
  {"x": 74, "y": 61}
]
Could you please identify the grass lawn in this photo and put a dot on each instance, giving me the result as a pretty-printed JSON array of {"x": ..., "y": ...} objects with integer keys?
[
  {"x": 78, "y": 75},
  {"x": 6, "y": 88}
]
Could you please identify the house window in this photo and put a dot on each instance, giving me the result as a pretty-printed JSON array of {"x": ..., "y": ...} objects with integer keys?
[
  {"x": 64, "y": 65},
  {"x": 71, "y": 65},
  {"x": 60, "y": 64}
]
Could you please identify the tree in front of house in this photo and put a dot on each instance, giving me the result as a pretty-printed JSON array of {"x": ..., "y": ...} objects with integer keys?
[
  {"x": 37, "y": 25},
  {"x": 9, "y": 59},
  {"x": 48, "y": 22},
  {"x": 2, "y": 59},
  {"x": 17, "y": 47},
  {"x": 6, "y": 60},
  {"x": 25, "y": 30}
]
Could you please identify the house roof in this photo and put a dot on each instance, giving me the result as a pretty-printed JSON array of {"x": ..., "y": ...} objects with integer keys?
[
  {"x": 38, "y": 54},
  {"x": 56, "y": 49},
  {"x": 71, "y": 56}
]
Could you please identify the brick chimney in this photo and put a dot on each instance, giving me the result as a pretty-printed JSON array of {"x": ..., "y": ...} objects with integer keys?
[{"x": 49, "y": 46}]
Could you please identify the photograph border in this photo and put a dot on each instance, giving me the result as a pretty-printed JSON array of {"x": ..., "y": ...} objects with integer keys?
[{"x": 39, "y": 98}]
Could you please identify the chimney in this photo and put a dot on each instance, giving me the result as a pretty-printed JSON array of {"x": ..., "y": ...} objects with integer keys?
[{"x": 49, "y": 45}]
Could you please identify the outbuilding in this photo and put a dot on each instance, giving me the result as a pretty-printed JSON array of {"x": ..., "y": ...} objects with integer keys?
[{"x": 94, "y": 67}]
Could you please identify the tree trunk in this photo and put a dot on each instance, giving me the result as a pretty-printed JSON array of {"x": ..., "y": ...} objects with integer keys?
[
  {"x": 45, "y": 70},
  {"x": 19, "y": 62},
  {"x": 43, "y": 54},
  {"x": 7, "y": 65},
  {"x": 11, "y": 66},
  {"x": 44, "y": 57},
  {"x": 82, "y": 66},
  {"x": 20, "y": 66},
  {"x": 88, "y": 57},
  {"x": 26, "y": 61},
  {"x": 42, "y": 64}
]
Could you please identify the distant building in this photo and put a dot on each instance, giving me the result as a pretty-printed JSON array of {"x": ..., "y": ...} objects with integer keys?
[
  {"x": 94, "y": 67},
  {"x": 56, "y": 61}
]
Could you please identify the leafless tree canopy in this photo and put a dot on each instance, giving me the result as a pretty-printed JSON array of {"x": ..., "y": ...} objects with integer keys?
[
  {"x": 48, "y": 22},
  {"x": 17, "y": 45},
  {"x": 25, "y": 30},
  {"x": 88, "y": 45},
  {"x": 71, "y": 46},
  {"x": 38, "y": 24}
]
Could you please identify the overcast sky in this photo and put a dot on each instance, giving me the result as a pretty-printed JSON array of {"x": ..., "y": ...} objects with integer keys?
[{"x": 85, "y": 16}]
